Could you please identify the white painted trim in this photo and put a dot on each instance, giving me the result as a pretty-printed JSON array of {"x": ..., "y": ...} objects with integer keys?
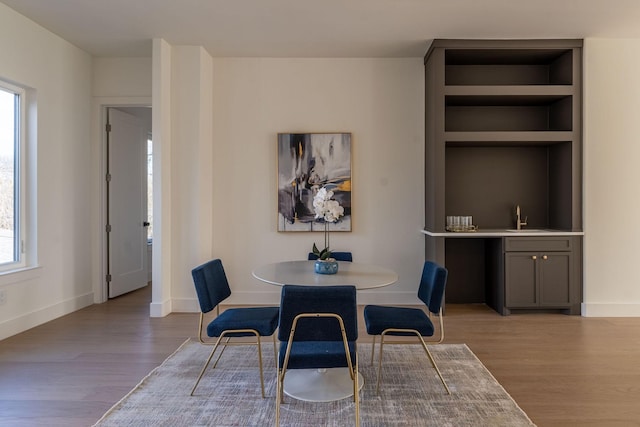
[
  {"x": 185, "y": 305},
  {"x": 160, "y": 309},
  {"x": 272, "y": 297},
  {"x": 610, "y": 310},
  {"x": 382, "y": 297},
  {"x": 43, "y": 315},
  {"x": 21, "y": 275},
  {"x": 191, "y": 305}
]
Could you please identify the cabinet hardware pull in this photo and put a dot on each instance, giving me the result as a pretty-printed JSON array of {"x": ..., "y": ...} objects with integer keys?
[
  {"x": 534, "y": 257},
  {"x": 544, "y": 257}
]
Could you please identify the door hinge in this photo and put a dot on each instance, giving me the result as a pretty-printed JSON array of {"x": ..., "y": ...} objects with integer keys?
[
  {"x": 108, "y": 278},
  {"x": 108, "y": 127},
  {"x": 108, "y": 177},
  {"x": 108, "y": 228}
]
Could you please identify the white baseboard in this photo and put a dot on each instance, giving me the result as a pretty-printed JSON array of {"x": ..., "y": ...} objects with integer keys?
[
  {"x": 185, "y": 305},
  {"x": 160, "y": 309},
  {"x": 610, "y": 310},
  {"x": 388, "y": 298},
  {"x": 38, "y": 317},
  {"x": 191, "y": 305},
  {"x": 364, "y": 297}
]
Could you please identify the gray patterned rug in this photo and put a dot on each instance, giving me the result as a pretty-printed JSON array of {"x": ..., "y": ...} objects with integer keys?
[{"x": 411, "y": 394}]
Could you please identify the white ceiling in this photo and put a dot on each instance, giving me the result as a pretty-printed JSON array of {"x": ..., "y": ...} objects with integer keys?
[{"x": 321, "y": 28}]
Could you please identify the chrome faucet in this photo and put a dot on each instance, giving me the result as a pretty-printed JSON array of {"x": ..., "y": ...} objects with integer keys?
[{"x": 519, "y": 222}]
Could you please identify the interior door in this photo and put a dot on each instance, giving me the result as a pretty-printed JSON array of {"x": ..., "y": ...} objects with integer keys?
[{"x": 127, "y": 203}]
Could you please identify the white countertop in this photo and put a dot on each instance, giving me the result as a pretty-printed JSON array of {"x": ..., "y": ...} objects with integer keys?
[{"x": 503, "y": 233}]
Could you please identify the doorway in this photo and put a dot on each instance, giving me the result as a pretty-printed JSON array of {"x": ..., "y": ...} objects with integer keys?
[{"x": 128, "y": 225}]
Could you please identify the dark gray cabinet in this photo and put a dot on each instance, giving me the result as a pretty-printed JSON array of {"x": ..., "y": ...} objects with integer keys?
[
  {"x": 537, "y": 274},
  {"x": 503, "y": 121},
  {"x": 538, "y": 279}
]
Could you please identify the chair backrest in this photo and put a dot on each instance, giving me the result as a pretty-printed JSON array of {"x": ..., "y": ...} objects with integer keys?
[
  {"x": 338, "y": 256},
  {"x": 211, "y": 284},
  {"x": 432, "y": 284},
  {"x": 340, "y": 300}
]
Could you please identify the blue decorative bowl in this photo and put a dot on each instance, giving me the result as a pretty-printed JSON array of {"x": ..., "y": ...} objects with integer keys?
[{"x": 326, "y": 266}]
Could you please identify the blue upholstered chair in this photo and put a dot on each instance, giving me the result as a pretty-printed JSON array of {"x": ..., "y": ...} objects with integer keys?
[
  {"x": 406, "y": 321},
  {"x": 318, "y": 329},
  {"x": 338, "y": 256},
  {"x": 212, "y": 288}
]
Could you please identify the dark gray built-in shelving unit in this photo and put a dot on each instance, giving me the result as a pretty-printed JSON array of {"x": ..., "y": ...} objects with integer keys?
[{"x": 503, "y": 128}]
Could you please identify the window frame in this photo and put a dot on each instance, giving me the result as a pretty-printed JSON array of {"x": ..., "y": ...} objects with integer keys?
[{"x": 20, "y": 197}]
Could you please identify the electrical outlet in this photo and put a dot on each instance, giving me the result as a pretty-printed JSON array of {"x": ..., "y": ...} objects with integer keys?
[{"x": 3, "y": 296}]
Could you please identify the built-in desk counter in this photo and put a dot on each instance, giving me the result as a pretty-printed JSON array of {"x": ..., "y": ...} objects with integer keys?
[
  {"x": 529, "y": 269},
  {"x": 502, "y": 233}
]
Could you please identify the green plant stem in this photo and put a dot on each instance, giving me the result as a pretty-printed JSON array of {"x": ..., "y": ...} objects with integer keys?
[{"x": 326, "y": 235}]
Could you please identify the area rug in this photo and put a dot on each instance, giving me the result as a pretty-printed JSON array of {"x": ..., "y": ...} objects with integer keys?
[{"x": 229, "y": 395}]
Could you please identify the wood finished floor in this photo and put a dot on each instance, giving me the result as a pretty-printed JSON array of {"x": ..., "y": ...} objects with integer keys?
[{"x": 562, "y": 370}]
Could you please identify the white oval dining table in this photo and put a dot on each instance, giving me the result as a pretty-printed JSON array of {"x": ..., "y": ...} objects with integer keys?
[
  {"x": 362, "y": 276},
  {"x": 323, "y": 385}
]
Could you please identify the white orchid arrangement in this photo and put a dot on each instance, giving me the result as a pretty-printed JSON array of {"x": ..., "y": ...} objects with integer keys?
[{"x": 330, "y": 211}]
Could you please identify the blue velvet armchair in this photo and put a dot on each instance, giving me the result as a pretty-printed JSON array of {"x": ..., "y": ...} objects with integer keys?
[
  {"x": 318, "y": 329},
  {"x": 406, "y": 321},
  {"x": 212, "y": 288}
]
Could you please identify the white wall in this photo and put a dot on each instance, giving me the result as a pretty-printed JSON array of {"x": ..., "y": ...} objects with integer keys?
[
  {"x": 122, "y": 77},
  {"x": 191, "y": 156},
  {"x": 223, "y": 178},
  {"x": 380, "y": 101},
  {"x": 60, "y": 75},
  {"x": 220, "y": 201},
  {"x": 612, "y": 177}
]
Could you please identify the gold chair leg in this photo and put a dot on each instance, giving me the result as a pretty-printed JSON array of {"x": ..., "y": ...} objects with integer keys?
[
  {"x": 224, "y": 347},
  {"x": 380, "y": 363},
  {"x": 373, "y": 349},
  {"x": 278, "y": 392},
  {"x": 356, "y": 394},
  {"x": 275, "y": 353},
  {"x": 433, "y": 363},
  {"x": 204, "y": 368},
  {"x": 260, "y": 362},
  {"x": 424, "y": 346}
]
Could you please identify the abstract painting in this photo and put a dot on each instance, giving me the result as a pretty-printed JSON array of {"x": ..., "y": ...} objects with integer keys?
[{"x": 306, "y": 163}]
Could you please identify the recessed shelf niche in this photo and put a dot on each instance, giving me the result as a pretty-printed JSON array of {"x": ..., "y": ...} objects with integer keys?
[
  {"x": 508, "y": 67},
  {"x": 487, "y": 182},
  {"x": 508, "y": 113}
]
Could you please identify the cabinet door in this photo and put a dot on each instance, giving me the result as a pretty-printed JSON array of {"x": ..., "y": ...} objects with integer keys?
[
  {"x": 555, "y": 278},
  {"x": 520, "y": 279}
]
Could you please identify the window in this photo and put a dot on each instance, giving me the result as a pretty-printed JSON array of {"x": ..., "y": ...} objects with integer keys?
[{"x": 12, "y": 142}]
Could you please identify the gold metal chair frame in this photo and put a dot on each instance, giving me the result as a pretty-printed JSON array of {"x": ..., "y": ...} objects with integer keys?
[
  {"x": 422, "y": 341},
  {"x": 224, "y": 346},
  {"x": 353, "y": 369}
]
